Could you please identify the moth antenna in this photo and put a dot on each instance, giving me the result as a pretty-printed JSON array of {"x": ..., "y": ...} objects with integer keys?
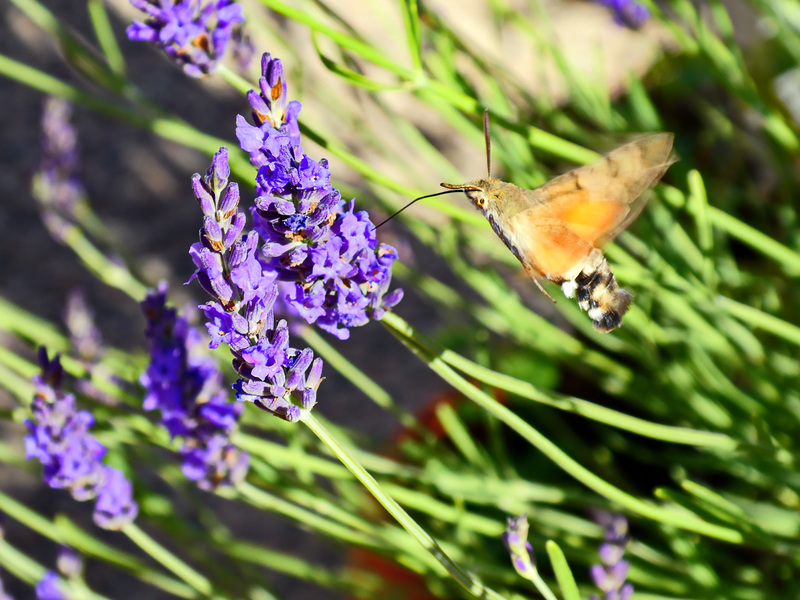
[
  {"x": 449, "y": 191},
  {"x": 488, "y": 139}
]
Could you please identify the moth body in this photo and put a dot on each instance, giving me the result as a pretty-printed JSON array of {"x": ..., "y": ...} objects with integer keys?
[
  {"x": 556, "y": 230},
  {"x": 599, "y": 294}
]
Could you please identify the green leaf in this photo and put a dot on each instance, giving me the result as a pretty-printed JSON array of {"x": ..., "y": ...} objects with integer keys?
[{"x": 566, "y": 581}]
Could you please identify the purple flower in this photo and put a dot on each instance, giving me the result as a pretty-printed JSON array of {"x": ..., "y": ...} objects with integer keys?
[
  {"x": 115, "y": 506},
  {"x": 271, "y": 106},
  {"x": 58, "y": 435},
  {"x": 183, "y": 382},
  {"x": 69, "y": 562},
  {"x": 193, "y": 34},
  {"x": 312, "y": 238},
  {"x": 627, "y": 13},
  {"x": 610, "y": 575},
  {"x": 243, "y": 48},
  {"x": 519, "y": 548},
  {"x": 273, "y": 375},
  {"x": 84, "y": 335},
  {"x": 56, "y": 185},
  {"x": 48, "y": 587}
]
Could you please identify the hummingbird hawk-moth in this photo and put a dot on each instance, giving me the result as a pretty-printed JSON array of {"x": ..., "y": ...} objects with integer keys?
[{"x": 556, "y": 230}]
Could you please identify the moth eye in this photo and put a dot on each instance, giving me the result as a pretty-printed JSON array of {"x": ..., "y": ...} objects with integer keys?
[{"x": 481, "y": 201}]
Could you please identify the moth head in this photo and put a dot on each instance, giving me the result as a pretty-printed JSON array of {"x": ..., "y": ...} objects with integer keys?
[{"x": 483, "y": 193}]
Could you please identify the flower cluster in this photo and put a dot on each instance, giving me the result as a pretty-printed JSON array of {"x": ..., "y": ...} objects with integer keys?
[
  {"x": 519, "y": 548},
  {"x": 58, "y": 435},
  {"x": 610, "y": 576},
  {"x": 184, "y": 383},
  {"x": 193, "y": 34},
  {"x": 49, "y": 587},
  {"x": 56, "y": 185},
  {"x": 627, "y": 13},
  {"x": 332, "y": 270},
  {"x": 70, "y": 565},
  {"x": 273, "y": 375}
]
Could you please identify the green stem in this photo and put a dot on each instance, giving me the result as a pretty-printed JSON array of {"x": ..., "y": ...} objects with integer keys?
[
  {"x": 401, "y": 516},
  {"x": 358, "y": 378},
  {"x": 783, "y": 255},
  {"x": 164, "y": 126},
  {"x": 345, "y": 41},
  {"x": 558, "y": 456},
  {"x": 113, "y": 275},
  {"x": 564, "y": 576},
  {"x": 411, "y": 21},
  {"x": 760, "y": 320},
  {"x": 281, "y": 562},
  {"x": 266, "y": 501},
  {"x": 105, "y": 36},
  {"x": 24, "y": 567},
  {"x": 677, "y": 435},
  {"x": 31, "y": 572},
  {"x": 12, "y": 367},
  {"x": 233, "y": 79},
  {"x": 537, "y": 581},
  {"x": 168, "y": 559}
]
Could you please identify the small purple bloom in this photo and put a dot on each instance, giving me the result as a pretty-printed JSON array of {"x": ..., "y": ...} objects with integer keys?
[
  {"x": 519, "y": 548},
  {"x": 231, "y": 268},
  {"x": 193, "y": 34},
  {"x": 183, "y": 382},
  {"x": 48, "y": 587},
  {"x": 58, "y": 436},
  {"x": 610, "y": 575},
  {"x": 311, "y": 236},
  {"x": 115, "y": 506},
  {"x": 243, "y": 48},
  {"x": 272, "y": 105},
  {"x": 56, "y": 185},
  {"x": 69, "y": 562},
  {"x": 627, "y": 13}
]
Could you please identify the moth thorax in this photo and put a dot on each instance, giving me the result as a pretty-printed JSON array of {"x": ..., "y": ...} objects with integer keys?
[{"x": 598, "y": 293}]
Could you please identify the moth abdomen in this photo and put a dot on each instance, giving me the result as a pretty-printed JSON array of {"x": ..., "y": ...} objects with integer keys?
[{"x": 598, "y": 293}]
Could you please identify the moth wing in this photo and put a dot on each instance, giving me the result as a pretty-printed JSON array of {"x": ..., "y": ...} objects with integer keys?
[
  {"x": 599, "y": 200},
  {"x": 549, "y": 247}
]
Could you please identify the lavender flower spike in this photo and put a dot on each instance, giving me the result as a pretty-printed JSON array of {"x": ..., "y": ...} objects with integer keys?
[
  {"x": 58, "y": 435},
  {"x": 69, "y": 562},
  {"x": 184, "y": 384},
  {"x": 56, "y": 185},
  {"x": 516, "y": 541},
  {"x": 49, "y": 587},
  {"x": 273, "y": 375},
  {"x": 193, "y": 34},
  {"x": 627, "y": 13},
  {"x": 332, "y": 270},
  {"x": 610, "y": 576}
]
